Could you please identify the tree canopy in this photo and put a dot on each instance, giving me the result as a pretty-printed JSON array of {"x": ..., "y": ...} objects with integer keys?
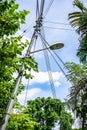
[
  {"x": 11, "y": 47},
  {"x": 77, "y": 73},
  {"x": 49, "y": 113},
  {"x": 21, "y": 121},
  {"x": 78, "y": 20}
]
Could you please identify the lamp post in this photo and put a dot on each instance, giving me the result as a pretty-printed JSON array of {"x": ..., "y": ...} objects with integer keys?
[{"x": 14, "y": 93}]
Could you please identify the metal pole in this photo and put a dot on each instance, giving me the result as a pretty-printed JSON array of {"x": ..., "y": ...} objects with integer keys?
[
  {"x": 10, "y": 104},
  {"x": 11, "y": 101}
]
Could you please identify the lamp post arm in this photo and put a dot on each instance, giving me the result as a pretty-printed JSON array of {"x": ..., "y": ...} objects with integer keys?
[
  {"x": 52, "y": 47},
  {"x": 38, "y": 50}
]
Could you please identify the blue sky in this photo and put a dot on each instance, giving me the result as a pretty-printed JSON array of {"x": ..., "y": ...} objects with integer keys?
[{"x": 40, "y": 86}]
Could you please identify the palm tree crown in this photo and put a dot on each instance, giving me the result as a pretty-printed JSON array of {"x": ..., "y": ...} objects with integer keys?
[{"x": 78, "y": 20}]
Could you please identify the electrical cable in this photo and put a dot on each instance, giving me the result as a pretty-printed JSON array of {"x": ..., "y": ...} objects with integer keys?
[
  {"x": 25, "y": 30},
  {"x": 49, "y": 73},
  {"x": 56, "y": 60},
  {"x": 52, "y": 50},
  {"x": 56, "y": 22},
  {"x": 57, "y": 63},
  {"x": 42, "y": 7},
  {"x": 48, "y": 68},
  {"x": 37, "y": 9},
  {"x": 50, "y": 4},
  {"x": 66, "y": 29}
]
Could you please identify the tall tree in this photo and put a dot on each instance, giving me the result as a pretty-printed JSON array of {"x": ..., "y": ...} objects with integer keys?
[
  {"x": 78, "y": 20},
  {"x": 48, "y": 113},
  {"x": 11, "y": 48},
  {"x": 77, "y": 75}
]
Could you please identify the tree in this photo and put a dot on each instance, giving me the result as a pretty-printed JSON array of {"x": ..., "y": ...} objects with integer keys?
[
  {"x": 77, "y": 75},
  {"x": 11, "y": 47},
  {"x": 48, "y": 113},
  {"x": 21, "y": 122},
  {"x": 78, "y": 20}
]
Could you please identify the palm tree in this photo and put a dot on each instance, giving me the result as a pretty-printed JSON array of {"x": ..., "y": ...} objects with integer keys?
[
  {"x": 77, "y": 98},
  {"x": 78, "y": 20}
]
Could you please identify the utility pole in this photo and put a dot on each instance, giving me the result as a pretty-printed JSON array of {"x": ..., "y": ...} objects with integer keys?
[{"x": 14, "y": 93}]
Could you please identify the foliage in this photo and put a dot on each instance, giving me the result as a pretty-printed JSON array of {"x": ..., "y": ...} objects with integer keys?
[
  {"x": 11, "y": 48},
  {"x": 21, "y": 122},
  {"x": 78, "y": 20},
  {"x": 10, "y": 17},
  {"x": 77, "y": 75},
  {"x": 48, "y": 112},
  {"x": 65, "y": 121},
  {"x": 77, "y": 129}
]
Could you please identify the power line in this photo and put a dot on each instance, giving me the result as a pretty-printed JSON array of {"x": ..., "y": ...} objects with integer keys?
[
  {"x": 37, "y": 9},
  {"x": 50, "y": 4},
  {"x": 57, "y": 63},
  {"x": 53, "y": 51},
  {"x": 54, "y": 57},
  {"x": 48, "y": 68},
  {"x": 25, "y": 30},
  {"x": 56, "y": 22},
  {"x": 42, "y": 7},
  {"x": 67, "y": 29}
]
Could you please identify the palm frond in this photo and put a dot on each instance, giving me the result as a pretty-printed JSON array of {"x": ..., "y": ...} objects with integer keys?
[
  {"x": 74, "y": 15},
  {"x": 79, "y": 4}
]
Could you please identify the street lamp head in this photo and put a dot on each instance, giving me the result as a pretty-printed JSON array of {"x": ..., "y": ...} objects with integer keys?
[{"x": 56, "y": 46}]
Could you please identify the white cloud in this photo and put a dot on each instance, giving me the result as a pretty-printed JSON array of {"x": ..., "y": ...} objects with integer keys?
[
  {"x": 32, "y": 94},
  {"x": 57, "y": 84},
  {"x": 42, "y": 77}
]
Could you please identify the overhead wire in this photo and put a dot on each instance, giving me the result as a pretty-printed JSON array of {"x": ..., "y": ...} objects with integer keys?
[
  {"x": 25, "y": 30},
  {"x": 52, "y": 50},
  {"x": 55, "y": 58},
  {"x": 42, "y": 7},
  {"x": 48, "y": 65},
  {"x": 53, "y": 22},
  {"x": 37, "y": 9},
  {"x": 66, "y": 29},
  {"x": 57, "y": 62},
  {"x": 50, "y": 4}
]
